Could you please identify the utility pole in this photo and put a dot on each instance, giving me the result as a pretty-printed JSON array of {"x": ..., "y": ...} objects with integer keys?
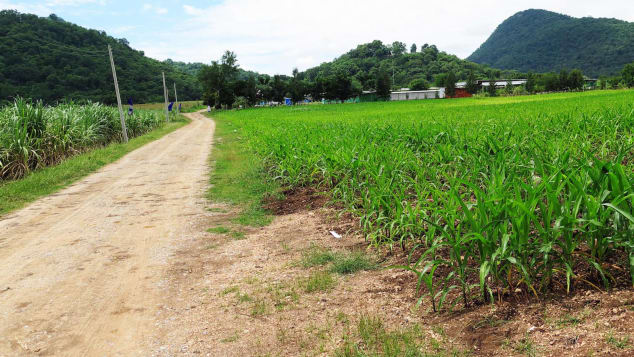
[
  {"x": 116, "y": 88},
  {"x": 176, "y": 96},
  {"x": 167, "y": 116}
]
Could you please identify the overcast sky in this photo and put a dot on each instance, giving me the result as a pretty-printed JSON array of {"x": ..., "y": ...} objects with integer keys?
[{"x": 274, "y": 36}]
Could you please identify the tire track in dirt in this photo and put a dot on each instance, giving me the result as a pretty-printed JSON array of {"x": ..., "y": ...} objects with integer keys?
[{"x": 82, "y": 271}]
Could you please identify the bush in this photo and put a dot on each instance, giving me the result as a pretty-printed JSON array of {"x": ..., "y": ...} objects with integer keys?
[{"x": 419, "y": 84}]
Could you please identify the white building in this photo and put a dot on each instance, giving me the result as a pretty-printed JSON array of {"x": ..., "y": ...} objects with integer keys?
[
  {"x": 436, "y": 93},
  {"x": 502, "y": 83}
]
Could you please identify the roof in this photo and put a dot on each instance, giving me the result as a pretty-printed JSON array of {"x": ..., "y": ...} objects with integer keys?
[
  {"x": 418, "y": 91},
  {"x": 515, "y": 82}
]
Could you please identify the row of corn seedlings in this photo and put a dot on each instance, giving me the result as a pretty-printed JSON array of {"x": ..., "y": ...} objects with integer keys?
[
  {"x": 33, "y": 135},
  {"x": 493, "y": 197}
]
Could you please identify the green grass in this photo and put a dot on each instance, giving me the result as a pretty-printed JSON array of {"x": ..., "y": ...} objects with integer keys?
[
  {"x": 219, "y": 230},
  {"x": 526, "y": 347},
  {"x": 317, "y": 256},
  {"x": 237, "y": 235},
  {"x": 351, "y": 263},
  {"x": 617, "y": 342},
  {"x": 340, "y": 262},
  {"x": 319, "y": 281},
  {"x": 16, "y": 194},
  {"x": 238, "y": 178},
  {"x": 504, "y": 192},
  {"x": 372, "y": 338}
]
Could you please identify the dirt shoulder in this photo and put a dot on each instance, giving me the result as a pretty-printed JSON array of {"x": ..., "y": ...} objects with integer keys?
[
  {"x": 247, "y": 292},
  {"x": 81, "y": 271}
]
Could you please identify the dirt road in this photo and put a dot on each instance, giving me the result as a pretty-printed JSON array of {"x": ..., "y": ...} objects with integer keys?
[{"x": 82, "y": 271}]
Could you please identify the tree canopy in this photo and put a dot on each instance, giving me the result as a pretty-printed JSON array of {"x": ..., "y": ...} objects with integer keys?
[
  {"x": 364, "y": 62},
  {"x": 544, "y": 41},
  {"x": 50, "y": 59}
]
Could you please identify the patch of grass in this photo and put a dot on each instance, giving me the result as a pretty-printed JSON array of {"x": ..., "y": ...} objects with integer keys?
[
  {"x": 319, "y": 281},
  {"x": 617, "y": 342},
  {"x": 238, "y": 177},
  {"x": 216, "y": 210},
  {"x": 219, "y": 230},
  {"x": 211, "y": 246},
  {"x": 243, "y": 297},
  {"x": 351, "y": 263},
  {"x": 259, "y": 308},
  {"x": 282, "y": 295},
  {"x": 568, "y": 320},
  {"x": 237, "y": 235},
  {"x": 525, "y": 346},
  {"x": 229, "y": 290},
  {"x": 488, "y": 321},
  {"x": 16, "y": 194},
  {"x": 317, "y": 256},
  {"x": 373, "y": 339},
  {"x": 232, "y": 338}
]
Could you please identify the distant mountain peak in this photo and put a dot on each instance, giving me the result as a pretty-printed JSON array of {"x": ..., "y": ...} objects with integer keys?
[{"x": 542, "y": 41}]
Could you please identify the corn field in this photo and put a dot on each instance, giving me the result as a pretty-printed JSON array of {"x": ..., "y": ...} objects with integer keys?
[
  {"x": 490, "y": 197},
  {"x": 33, "y": 135}
]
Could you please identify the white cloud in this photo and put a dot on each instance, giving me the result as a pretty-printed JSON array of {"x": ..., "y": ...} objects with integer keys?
[
  {"x": 122, "y": 29},
  {"x": 54, "y": 3},
  {"x": 47, "y": 7},
  {"x": 157, "y": 9},
  {"x": 190, "y": 10},
  {"x": 276, "y": 35}
]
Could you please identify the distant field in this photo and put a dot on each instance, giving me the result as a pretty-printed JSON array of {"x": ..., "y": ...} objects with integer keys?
[
  {"x": 187, "y": 107},
  {"x": 528, "y": 194}
]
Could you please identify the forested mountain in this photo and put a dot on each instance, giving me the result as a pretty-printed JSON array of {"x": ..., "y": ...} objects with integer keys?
[
  {"x": 51, "y": 59},
  {"x": 544, "y": 41},
  {"x": 427, "y": 63}
]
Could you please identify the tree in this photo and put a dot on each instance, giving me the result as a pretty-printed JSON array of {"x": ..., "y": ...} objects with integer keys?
[
  {"x": 317, "y": 88},
  {"x": 341, "y": 86},
  {"x": 383, "y": 84},
  {"x": 603, "y": 82},
  {"x": 419, "y": 84},
  {"x": 530, "y": 82},
  {"x": 491, "y": 89},
  {"x": 413, "y": 48},
  {"x": 398, "y": 48},
  {"x": 296, "y": 88},
  {"x": 508, "y": 89},
  {"x": 563, "y": 80},
  {"x": 575, "y": 80},
  {"x": 251, "y": 91},
  {"x": 278, "y": 88},
  {"x": 550, "y": 82},
  {"x": 450, "y": 84},
  {"x": 628, "y": 74},
  {"x": 440, "y": 80},
  {"x": 471, "y": 86}
]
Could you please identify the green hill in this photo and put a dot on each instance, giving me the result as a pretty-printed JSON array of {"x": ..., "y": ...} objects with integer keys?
[
  {"x": 426, "y": 63},
  {"x": 51, "y": 59},
  {"x": 543, "y": 41}
]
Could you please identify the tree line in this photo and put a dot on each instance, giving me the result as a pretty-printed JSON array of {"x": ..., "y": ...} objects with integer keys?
[
  {"x": 49, "y": 59},
  {"x": 225, "y": 85}
]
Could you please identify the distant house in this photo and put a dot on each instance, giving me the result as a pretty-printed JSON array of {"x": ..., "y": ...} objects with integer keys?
[
  {"x": 501, "y": 83},
  {"x": 460, "y": 93},
  {"x": 433, "y": 93},
  {"x": 368, "y": 96}
]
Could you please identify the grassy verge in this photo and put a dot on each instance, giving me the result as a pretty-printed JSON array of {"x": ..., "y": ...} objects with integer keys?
[
  {"x": 16, "y": 194},
  {"x": 237, "y": 177}
]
